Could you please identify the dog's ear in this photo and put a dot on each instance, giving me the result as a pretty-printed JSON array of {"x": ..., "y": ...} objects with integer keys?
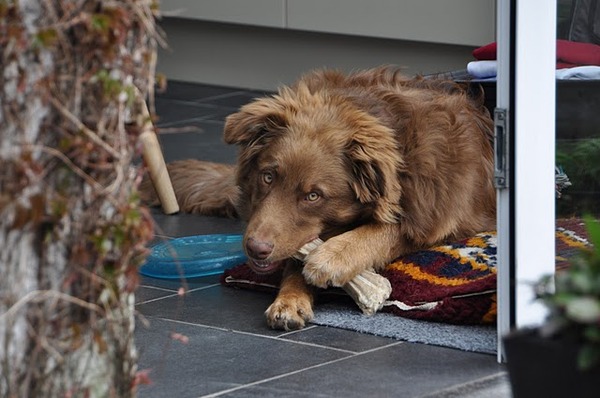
[
  {"x": 376, "y": 163},
  {"x": 253, "y": 128},
  {"x": 260, "y": 119}
]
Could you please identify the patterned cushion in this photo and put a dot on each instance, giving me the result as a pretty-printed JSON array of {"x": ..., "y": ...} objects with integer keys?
[{"x": 452, "y": 283}]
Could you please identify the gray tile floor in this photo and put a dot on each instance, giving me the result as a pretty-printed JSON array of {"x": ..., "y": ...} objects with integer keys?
[{"x": 214, "y": 341}]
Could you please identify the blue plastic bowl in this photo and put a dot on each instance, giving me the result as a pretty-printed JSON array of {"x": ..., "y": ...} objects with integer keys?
[{"x": 194, "y": 256}]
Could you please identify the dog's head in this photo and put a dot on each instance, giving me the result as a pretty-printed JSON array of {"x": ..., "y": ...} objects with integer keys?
[{"x": 310, "y": 165}]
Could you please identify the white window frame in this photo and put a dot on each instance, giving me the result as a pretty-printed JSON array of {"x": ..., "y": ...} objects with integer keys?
[{"x": 526, "y": 37}]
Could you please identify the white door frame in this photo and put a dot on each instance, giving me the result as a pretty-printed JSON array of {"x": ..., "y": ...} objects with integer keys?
[{"x": 526, "y": 37}]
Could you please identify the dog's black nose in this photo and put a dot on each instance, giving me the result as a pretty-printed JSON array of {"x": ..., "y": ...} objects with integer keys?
[{"x": 258, "y": 250}]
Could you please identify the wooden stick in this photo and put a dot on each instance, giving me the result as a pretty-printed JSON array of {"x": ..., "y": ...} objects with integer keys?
[{"x": 153, "y": 157}]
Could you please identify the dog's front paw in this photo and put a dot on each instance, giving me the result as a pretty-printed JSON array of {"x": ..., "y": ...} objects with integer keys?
[
  {"x": 330, "y": 264},
  {"x": 289, "y": 313}
]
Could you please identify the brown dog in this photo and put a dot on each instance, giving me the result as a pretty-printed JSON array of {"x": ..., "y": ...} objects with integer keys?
[{"x": 373, "y": 163}]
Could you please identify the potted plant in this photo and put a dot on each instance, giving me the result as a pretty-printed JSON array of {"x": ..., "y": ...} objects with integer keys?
[{"x": 562, "y": 357}]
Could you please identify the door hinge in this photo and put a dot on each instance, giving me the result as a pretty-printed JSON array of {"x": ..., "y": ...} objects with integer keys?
[{"x": 501, "y": 137}]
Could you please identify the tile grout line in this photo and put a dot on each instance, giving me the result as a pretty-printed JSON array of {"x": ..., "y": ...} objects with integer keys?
[
  {"x": 174, "y": 293},
  {"x": 194, "y": 324},
  {"x": 196, "y": 289},
  {"x": 162, "y": 289},
  {"x": 197, "y": 129},
  {"x": 221, "y": 96},
  {"x": 352, "y": 353},
  {"x": 295, "y": 342},
  {"x": 214, "y": 115},
  {"x": 295, "y": 372},
  {"x": 298, "y": 331},
  {"x": 456, "y": 389},
  {"x": 179, "y": 101}
]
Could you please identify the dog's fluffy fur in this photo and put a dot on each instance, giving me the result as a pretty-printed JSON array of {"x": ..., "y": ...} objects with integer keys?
[{"x": 373, "y": 163}]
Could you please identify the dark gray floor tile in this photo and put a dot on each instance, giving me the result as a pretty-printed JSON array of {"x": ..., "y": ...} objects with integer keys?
[
  {"x": 198, "y": 135},
  {"x": 279, "y": 391},
  {"x": 234, "y": 100},
  {"x": 495, "y": 386},
  {"x": 190, "y": 91},
  {"x": 215, "y": 115},
  {"x": 173, "y": 285},
  {"x": 215, "y": 360},
  {"x": 202, "y": 151},
  {"x": 177, "y": 225},
  {"x": 339, "y": 338},
  {"x": 206, "y": 143},
  {"x": 171, "y": 111},
  {"x": 404, "y": 370},
  {"x": 145, "y": 293},
  {"x": 222, "y": 307},
  {"x": 175, "y": 144}
]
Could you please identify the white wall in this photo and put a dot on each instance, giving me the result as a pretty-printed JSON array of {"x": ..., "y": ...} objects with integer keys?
[{"x": 262, "y": 58}]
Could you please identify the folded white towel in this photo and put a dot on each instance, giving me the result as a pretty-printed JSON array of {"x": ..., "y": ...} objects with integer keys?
[
  {"x": 588, "y": 72},
  {"x": 487, "y": 69},
  {"x": 482, "y": 69}
]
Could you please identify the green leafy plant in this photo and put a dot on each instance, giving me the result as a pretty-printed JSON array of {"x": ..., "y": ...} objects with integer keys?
[
  {"x": 579, "y": 159},
  {"x": 574, "y": 300}
]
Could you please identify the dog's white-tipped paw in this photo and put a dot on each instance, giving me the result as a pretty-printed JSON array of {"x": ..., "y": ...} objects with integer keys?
[
  {"x": 328, "y": 265},
  {"x": 289, "y": 313},
  {"x": 323, "y": 276}
]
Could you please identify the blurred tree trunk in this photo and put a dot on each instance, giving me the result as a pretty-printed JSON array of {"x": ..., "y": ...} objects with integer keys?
[{"x": 72, "y": 231}]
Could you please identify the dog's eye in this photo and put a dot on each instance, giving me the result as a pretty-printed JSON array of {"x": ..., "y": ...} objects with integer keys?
[
  {"x": 267, "y": 177},
  {"x": 313, "y": 196}
]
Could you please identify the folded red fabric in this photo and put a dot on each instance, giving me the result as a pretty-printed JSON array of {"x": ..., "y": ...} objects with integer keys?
[
  {"x": 576, "y": 53},
  {"x": 486, "y": 53},
  {"x": 568, "y": 53}
]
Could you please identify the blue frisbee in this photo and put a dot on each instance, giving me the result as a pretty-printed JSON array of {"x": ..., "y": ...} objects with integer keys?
[{"x": 194, "y": 256}]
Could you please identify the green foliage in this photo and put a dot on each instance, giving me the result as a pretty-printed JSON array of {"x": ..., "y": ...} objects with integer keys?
[
  {"x": 4, "y": 7},
  {"x": 583, "y": 158},
  {"x": 46, "y": 38},
  {"x": 574, "y": 302},
  {"x": 579, "y": 160},
  {"x": 100, "y": 22},
  {"x": 113, "y": 87}
]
